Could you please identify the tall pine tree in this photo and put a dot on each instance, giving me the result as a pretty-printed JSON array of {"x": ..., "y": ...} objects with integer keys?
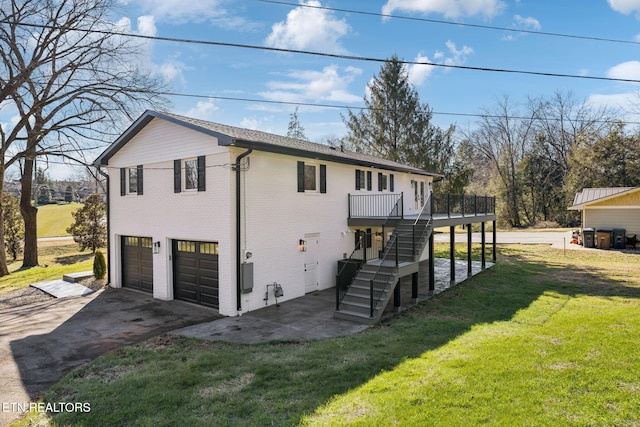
[{"x": 395, "y": 125}]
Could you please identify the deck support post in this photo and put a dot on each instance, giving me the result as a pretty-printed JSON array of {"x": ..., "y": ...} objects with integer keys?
[
  {"x": 494, "y": 242},
  {"x": 414, "y": 288},
  {"x": 452, "y": 253},
  {"x": 469, "y": 269},
  {"x": 432, "y": 266},
  {"x": 484, "y": 257},
  {"x": 396, "y": 296}
]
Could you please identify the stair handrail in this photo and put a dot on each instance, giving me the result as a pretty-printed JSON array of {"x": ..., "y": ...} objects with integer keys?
[
  {"x": 358, "y": 247},
  {"x": 397, "y": 207},
  {"x": 426, "y": 227}
]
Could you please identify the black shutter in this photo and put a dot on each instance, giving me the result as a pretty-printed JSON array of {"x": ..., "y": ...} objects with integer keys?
[
  {"x": 202, "y": 186},
  {"x": 139, "y": 167},
  {"x": 123, "y": 181},
  {"x": 391, "y": 183},
  {"x": 369, "y": 180},
  {"x": 358, "y": 179},
  {"x": 177, "y": 176},
  {"x": 368, "y": 238},
  {"x": 379, "y": 181},
  {"x": 323, "y": 178},
  {"x": 300, "y": 177}
]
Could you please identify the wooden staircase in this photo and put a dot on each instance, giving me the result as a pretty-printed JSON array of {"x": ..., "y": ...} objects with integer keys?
[{"x": 373, "y": 285}]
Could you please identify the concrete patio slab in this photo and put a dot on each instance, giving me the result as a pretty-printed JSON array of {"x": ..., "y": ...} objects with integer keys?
[{"x": 62, "y": 288}]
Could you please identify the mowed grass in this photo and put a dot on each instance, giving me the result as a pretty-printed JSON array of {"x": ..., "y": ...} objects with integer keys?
[
  {"x": 54, "y": 219},
  {"x": 539, "y": 339},
  {"x": 55, "y": 259}
]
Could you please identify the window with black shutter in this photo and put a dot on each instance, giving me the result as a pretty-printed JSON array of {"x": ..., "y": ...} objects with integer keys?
[{"x": 131, "y": 181}]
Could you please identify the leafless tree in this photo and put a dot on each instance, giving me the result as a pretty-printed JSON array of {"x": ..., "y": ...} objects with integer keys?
[
  {"x": 74, "y": 82},
  {"x": 502, "y": 138}
]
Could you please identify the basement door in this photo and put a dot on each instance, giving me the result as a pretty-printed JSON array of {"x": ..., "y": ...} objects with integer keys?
[{"x": 311, "y": 262}]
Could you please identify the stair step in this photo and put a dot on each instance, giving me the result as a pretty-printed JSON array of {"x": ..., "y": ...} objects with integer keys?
[{"x": 356, "y": 317}]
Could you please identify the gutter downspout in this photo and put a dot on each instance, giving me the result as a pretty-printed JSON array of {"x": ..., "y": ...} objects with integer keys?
[
  {"x": 106, "y": 175},
  {"x": 238, "y": 229}
]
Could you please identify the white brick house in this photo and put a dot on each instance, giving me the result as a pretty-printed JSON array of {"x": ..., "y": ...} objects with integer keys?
[{"x": 213, "y": 214}]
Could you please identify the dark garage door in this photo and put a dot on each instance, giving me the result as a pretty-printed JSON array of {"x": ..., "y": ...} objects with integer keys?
[
  {"x": 195, "y": 269},
  {"x": 137, "y": 263}
]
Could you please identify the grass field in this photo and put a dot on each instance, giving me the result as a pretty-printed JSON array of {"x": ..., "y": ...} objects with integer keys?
[
  {"x": 55, "y": 258},
  {"x": 539, "y": 339},
  {"x": 54, "y": 219}
]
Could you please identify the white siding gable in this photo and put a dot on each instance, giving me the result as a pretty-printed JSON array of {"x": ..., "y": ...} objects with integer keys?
[{"x": 160, "y": 141}]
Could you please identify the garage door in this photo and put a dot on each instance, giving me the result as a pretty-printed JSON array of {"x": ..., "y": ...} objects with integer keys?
[
  {"x": 137, "y": 263},
  {"x": 195, "y": 269}
]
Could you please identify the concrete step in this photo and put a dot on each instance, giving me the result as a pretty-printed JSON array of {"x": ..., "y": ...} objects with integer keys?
[{"x": 77, "y": 277}]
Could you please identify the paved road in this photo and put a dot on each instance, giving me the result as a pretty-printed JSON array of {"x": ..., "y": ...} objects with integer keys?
[
  {"x": 41, "y": 342},
  {"x": 558, "y": 239}
]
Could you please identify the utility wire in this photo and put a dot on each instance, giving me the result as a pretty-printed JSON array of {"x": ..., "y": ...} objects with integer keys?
[
  {"x": 458, "y": 24},
  {"x": 330, "y": 55},
  {"x": 351, "y": 107}
]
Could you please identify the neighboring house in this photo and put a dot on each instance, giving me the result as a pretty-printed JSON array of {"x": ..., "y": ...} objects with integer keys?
[
  {"x": 230, "y": 218},
  {"x": 609, "y": 208}
]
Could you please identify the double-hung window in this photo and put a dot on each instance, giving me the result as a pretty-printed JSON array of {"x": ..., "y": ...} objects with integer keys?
[
  {"x": 385, "y": 182},
  {"x": 189, "y": 174},
  {"x": 131, "y": 181},
  {"x": 364, "y": 180},
  {"x": 312, "y": 178}
]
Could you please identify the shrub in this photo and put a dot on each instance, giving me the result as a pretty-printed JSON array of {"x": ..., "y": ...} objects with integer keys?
[{"x": 99, "y": 266}]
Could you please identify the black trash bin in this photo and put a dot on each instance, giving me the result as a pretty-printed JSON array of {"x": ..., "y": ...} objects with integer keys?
[
  {"x": 588, "y": 238},
  {"x": 619, "y": 238}
]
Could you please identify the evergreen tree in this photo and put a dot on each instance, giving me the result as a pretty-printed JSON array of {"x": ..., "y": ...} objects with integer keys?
[
  {"x": 13, "y": 225},
  {"x": 395, "y": 125},
  {"x": 90, "y": 227},
  {"x": 68, "y": 194}
]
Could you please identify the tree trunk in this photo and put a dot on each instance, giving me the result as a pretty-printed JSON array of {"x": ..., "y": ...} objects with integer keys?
[
  {"x": 29, "y": 214},
  {"x": 4, "y": 270}
]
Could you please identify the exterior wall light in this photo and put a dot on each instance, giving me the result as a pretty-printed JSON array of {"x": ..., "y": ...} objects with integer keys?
[
  {"x": 302, "y": 245},
  {"x": 156, "y": 247}
]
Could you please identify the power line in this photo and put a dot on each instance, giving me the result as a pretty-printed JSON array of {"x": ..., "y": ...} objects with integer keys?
[
  {"x": 458, "y": 24},
  {"x": 351, "y": 107},
  {"x": 331, "y": 55}
]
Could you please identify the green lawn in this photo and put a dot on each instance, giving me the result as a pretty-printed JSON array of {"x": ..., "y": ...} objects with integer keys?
[
  {"x": 55, "y": 258},
  {"x": 539, "y": 339},
  {"x": 54, "y": 219}
]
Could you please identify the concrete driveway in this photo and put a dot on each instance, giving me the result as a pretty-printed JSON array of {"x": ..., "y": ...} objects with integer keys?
[{"x": 42, "y": 342}]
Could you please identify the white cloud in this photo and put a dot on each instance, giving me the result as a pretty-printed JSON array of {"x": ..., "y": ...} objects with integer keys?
[
  {"x": 418, "y": 74},
  {"x": 329, "y": 85},
  {"x": 309, "y": 28},
  {"x": 147, "y": 25},
  {"x": 526, "y": 23},
  {"x": 625, "y": 6},
  {"x": 458, "y": 57},
  {"x": 626, "y": 70},
  {"x": 203, "y": 110},
  {"x": 448, "y": 8},
  {"x": 171, "y": 69},
  {"x": 522, "y": 23}
]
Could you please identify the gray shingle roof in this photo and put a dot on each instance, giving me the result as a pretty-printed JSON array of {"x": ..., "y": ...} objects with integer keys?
[
  {"x": 231, "y": 135},
  {"x": 588, "y": 195}
]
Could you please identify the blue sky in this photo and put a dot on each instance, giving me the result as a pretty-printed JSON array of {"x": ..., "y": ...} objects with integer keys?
[{"x": 220, "y": 71}]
